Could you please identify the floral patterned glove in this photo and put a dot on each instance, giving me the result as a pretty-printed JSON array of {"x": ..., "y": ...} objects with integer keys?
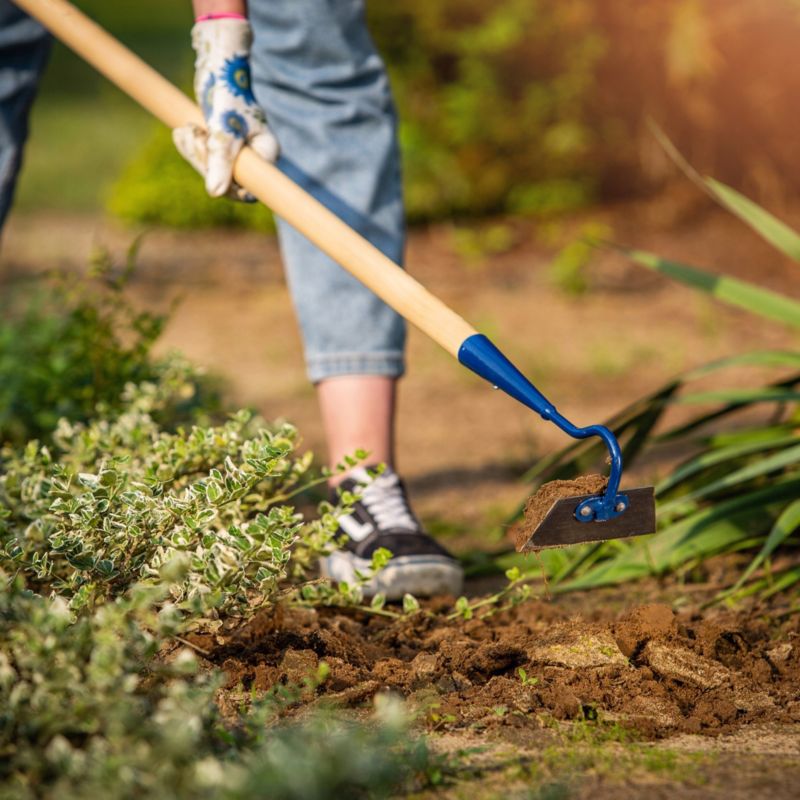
[{"x": 233, "y": 118}]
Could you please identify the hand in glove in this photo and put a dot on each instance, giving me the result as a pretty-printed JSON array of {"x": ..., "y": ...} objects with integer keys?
[{"x": 233, "y": 118}]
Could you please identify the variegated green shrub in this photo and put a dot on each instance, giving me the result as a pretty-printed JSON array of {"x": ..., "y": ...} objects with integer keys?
[
  {"x": 124, "y": 525},
  {"x": 86, "y": 711},
  {"x": 118, "y": 501}
]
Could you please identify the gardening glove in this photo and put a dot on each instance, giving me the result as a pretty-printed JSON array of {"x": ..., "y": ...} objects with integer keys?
[{"x": 233, "y": 118}]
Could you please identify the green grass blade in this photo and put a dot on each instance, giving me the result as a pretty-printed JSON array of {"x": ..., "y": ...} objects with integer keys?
[
  {"x": 786, "y": 524},
  {"x": 770, "y": 394},
  {"x": 784, "y": 581},
  {"x": 585, "y": 557},
  {"x": 713, "y": 458},
  {"x": 769, "y": 227},
  {"x": 779, "y": 491},
  {"x": 732, "y": 291},
  {"x": 756, "y": 358},
  {"x": 716, "y": 415},
  {"x": 757, "y": 434},
  {"x": 776, "y": 461},
  {"x": 646, "y": 558}
]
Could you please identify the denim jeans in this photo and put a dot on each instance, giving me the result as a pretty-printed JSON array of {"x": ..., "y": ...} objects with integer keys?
[
  {"x": 24, "y": 47},
  {"x": 324, "y": 88}
]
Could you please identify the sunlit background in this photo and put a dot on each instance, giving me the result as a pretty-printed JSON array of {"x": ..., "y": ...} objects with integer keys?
[{"x": 522, "y": 106}]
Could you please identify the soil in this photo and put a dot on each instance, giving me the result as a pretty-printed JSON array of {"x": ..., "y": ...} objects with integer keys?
[
  {"x": 540, "y": 503},
  {"x": 657, "y": 672}
]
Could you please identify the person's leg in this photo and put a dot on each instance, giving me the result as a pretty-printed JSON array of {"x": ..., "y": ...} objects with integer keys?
[
  {"x": 325, "y": 91},
  {"x": 24, "y": 47},
  {"x": 327, "y": 98},
  {"x": 358, "y": 412}
]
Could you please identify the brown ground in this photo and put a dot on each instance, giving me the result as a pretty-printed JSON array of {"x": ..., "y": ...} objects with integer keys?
[
  {"x": 652, "y": 670},
  {"x": 581, "y": 696},
  {"x": 712, "y": 696}
]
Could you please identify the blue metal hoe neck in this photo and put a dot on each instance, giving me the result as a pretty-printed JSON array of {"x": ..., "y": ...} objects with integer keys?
[{"x": 482, "y": 357}]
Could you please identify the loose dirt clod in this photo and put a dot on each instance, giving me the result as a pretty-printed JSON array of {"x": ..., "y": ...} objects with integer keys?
[
  {"x": 639, "y": 626},
  {"x": 542, "y": 501}
]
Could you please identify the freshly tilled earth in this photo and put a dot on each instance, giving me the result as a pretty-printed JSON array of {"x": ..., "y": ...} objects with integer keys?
[{"x": 650, "y": 669}]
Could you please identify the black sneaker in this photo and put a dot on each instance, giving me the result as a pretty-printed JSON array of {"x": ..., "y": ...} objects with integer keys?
[{"x": 383, "y": 518}]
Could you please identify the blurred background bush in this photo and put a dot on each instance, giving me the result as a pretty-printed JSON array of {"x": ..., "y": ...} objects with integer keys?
[{"x": 507, "y": 106}]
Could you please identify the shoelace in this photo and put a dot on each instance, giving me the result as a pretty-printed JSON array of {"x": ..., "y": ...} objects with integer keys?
[{"x": 385, "y": 500}]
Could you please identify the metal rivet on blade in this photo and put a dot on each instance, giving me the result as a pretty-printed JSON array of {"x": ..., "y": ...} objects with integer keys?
[
  {"x": 585, "y": 511},
  {"x": 620, "y": 506}
]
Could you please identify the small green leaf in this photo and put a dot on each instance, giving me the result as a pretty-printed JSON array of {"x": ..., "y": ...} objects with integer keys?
[
  {"x": 513, "y": 574},
  {"x": 213, "y": 491},
  {"x": 463, "y": 607},
  {"x": 380, "y": 558},
  {"x": 378, "y": 602},
  {"x": 410, "y": 604},
  {"x": 786, "y": 524},
  {"x": 766, "y": 225}
]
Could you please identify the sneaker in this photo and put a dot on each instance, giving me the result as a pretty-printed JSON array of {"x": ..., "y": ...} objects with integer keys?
[{"x": 383, "y": 518}]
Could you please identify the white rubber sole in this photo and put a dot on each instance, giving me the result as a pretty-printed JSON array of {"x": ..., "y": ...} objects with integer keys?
[{"x": 422, "y": 576}]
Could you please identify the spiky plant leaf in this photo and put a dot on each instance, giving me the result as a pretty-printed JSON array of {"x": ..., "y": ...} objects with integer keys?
[
  {"x": 735, "y": 292},
  {"x": 765, "y": 224}
]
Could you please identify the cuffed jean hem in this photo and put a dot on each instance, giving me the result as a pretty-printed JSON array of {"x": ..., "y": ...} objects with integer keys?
[{"x": 389, "y": 363}]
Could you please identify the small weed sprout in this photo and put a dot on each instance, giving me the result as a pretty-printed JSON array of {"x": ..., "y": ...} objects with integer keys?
[
  {"x": 515, "y": 592},
  {"x": 324, "y": 593},
  {"x": 437, "y": 719},
  {"x": 526, "y": 681},
  {"x": 410, "y": 604},
  {"x": 463, "y": 608}
]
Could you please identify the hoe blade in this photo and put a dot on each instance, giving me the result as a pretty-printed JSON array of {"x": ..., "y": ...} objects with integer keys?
[{"x": 560, "y": 528}]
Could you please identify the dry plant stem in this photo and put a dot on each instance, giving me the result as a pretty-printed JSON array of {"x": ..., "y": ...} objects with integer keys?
[
  {"x": 358, "y": 412},
  {"x": 193, "y": 646}
]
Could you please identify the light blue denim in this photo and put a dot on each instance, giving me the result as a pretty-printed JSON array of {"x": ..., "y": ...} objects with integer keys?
[
  {"x": 24, "y": 47},
  {"x": 326, "y": 94}
]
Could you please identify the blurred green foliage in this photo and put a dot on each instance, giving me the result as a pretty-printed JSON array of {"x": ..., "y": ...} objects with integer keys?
[
  {"x": 69, "y": 346},
  {"x": 83, "y": 129},
  {"x": 158, "y": 186},
  {"x": 475, "y": 243},
  {"x": 569, "y": 270},
  {"x": 492, "y": 99},
  {"x": 507, "y": 106}
]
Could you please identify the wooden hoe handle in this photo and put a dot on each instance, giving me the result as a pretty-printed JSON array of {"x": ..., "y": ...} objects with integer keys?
[{"x": 264, "y": 180}]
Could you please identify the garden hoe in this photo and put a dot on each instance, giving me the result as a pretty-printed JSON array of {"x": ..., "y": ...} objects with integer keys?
[{"x": 592, "y": 514}]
